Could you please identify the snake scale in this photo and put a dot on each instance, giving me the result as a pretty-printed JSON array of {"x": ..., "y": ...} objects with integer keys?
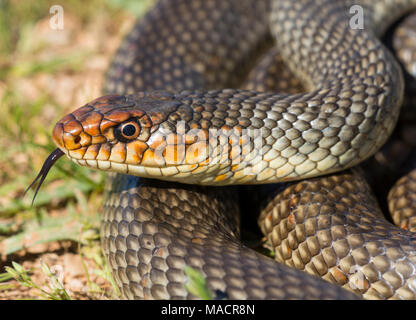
[{"x": 168, "y": 117}]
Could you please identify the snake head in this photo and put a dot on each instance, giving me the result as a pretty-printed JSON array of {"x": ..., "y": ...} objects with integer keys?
[
  {"x": 114, "y": 132},
  {"x": 137, "y": 134},
  {"x": 176, "y": 137}
]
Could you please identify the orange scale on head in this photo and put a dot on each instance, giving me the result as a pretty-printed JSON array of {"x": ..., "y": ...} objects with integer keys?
[
  {"x": 110, "y": 135},
  {"x": 92, "y": 152},
  {"x": 73, "y": 127},
  {"x": 57, "y": 135},
  {"x": 108, "y": 102},
  {"x": 157, "y": 118},
  {"x": 78, "y": 153},
  {"x": 135, "y": 152},
  {"x": 106, "y": 108},
  {"x": 195, "y": 135},
  {"x": 104, "y": 153},
  {"x": 104, "y": 99},
  {"x": 174, "y": 154},
  {"x": 67, "y": 118},
  {"x": 137, "y": 113},
  {"x": 144, "y": 134},
  {"x": 153, "y": 158},
  {"x": 118, "y": 116},
  {"x": 81, "y": 111},
  {"x": 156, "y": 141},
  {"x": 106, "y": 123},
  {"x": 85, "y": 139},
  {"x": 118, "y": 153},
  {"x": 196, "y": 153},
  {"x": 91, "y": 123},
  {"x": 70, "y": 142},
  {"x": 146, "y": 121},
  {"x": 99, "y": 139}
]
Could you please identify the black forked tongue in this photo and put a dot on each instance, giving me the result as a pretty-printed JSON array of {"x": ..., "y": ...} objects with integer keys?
[{"x": 47, "y": 165}]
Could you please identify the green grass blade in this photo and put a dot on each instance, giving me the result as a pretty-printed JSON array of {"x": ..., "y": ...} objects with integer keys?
[{"x": 197, "y": 284}]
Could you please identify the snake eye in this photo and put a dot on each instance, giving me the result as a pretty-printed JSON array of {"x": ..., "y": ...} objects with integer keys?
[{"x": 128, "y": 131}]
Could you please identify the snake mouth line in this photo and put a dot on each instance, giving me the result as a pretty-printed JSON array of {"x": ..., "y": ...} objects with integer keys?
[{"x": 47, "y": 165}]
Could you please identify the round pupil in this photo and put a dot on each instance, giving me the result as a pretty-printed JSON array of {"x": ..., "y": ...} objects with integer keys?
[{"x": 129, "y": 130}]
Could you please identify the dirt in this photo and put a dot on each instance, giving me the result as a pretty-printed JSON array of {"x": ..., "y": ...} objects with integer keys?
[{"x": 67, "y": 265}]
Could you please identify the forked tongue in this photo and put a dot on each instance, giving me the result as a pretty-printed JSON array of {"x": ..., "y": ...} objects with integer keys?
[{"x": 47, "y": 165}]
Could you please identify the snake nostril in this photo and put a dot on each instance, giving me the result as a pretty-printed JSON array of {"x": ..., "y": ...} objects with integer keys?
[{"x": 77, "y": 139}]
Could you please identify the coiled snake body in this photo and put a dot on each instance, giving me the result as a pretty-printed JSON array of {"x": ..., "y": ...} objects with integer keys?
[{"x": 330, "y": 227}]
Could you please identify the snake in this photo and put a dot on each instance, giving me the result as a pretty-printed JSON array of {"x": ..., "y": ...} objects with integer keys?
[{"x": 179, "y": 130}]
